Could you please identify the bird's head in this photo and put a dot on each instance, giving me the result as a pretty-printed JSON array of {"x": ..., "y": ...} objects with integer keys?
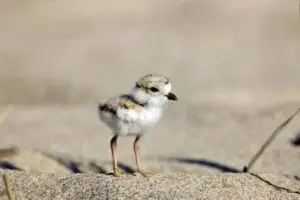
[{"x": 153, "y": 90}]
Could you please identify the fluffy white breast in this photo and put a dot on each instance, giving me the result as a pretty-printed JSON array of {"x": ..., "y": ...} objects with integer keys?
[
  {"x": 149, "y": 116},
  {"x": 127, "y": 115},
  {"x": 133, "y": 122}
]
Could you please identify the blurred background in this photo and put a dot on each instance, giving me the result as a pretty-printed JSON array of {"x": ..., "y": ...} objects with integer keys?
[
  {"x": 74, "y": 52},
  {"x": 56, "y": 57}
]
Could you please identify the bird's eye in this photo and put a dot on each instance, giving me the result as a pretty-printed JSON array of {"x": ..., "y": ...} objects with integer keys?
[{"x": 154, "y": 89}]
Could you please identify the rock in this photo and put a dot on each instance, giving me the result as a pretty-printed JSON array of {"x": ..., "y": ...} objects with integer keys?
[{"x": 28, "y": 185}]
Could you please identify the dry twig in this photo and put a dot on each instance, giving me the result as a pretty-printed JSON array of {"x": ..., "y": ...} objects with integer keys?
[
  {"x": 4, "y": 114},
  {"x": 8, "y": 187},
  {"x": 269, "y": 140}
]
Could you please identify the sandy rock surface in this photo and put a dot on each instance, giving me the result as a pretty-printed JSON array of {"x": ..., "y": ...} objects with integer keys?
[{"x": 165, "y": 186}]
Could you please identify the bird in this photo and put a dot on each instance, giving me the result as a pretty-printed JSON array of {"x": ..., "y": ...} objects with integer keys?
[{"x": 134, "y": 113}]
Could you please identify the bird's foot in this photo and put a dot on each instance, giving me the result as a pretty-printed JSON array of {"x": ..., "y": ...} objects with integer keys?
[
  {"x": 145, "y": 173},
  {"x": 117, "y": 172}
]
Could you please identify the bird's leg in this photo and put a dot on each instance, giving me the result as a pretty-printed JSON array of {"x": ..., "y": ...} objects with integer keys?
[
  {"x": 113, "y": 147},
  {"x": 136, "y": 156}
]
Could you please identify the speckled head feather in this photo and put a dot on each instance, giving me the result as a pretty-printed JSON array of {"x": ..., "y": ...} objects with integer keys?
[
  {"x": 152, "y": 80},
  {"x": 153, "y": 90}
]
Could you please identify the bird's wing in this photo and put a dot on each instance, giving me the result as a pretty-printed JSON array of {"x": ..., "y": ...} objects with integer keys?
[{"x": 123, "y": 107}]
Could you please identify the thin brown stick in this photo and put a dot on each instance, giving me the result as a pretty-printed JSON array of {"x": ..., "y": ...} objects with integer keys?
[
  {"x": 8, "y": 187},
  {"x": 8, "y": 152},
  {"x": 269, "y": 140},
  {"x": 4, "y": 114}
]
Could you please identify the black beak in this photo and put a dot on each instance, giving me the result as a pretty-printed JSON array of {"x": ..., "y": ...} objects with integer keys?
[{"x": 172, "y": 96}]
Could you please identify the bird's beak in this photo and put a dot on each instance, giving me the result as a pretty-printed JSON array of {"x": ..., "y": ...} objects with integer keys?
[{"x": 172, "y": 96}]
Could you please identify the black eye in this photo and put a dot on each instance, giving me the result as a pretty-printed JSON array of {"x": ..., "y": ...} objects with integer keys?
[{"x": 154, "y": 89}]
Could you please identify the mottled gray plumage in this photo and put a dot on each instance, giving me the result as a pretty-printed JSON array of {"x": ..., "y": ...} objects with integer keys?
[{"x": 135, "y": 113}]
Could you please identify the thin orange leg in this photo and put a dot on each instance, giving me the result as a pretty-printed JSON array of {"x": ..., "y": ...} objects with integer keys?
[
  {"x": 113, "y": 147},
  {"x": 136, "y": 156}
]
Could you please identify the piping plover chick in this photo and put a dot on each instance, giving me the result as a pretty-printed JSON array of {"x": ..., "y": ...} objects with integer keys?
[{"x": 135, "y": 113}]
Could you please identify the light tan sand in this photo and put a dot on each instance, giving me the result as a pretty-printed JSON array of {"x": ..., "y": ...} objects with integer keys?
[{"x": 202, "y": 139}]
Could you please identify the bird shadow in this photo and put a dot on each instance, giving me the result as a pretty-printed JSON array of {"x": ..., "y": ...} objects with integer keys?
[
  {"x": 97, "y": 168},
  {"x": 203, "y": 162},
  {"x": 8, "y": 165},
  {"x": 297, "y": 178},
  {"x": 91, "y": 166},
  {"x": 296, "y": 141},
  {"x": 70, "y": 164},
  {"x": 101, "y": 170},
  {"x": 126, "y": 168}
]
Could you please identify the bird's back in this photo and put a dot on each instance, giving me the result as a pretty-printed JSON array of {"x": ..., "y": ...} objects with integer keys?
[{"x": 121, "y": 114}]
